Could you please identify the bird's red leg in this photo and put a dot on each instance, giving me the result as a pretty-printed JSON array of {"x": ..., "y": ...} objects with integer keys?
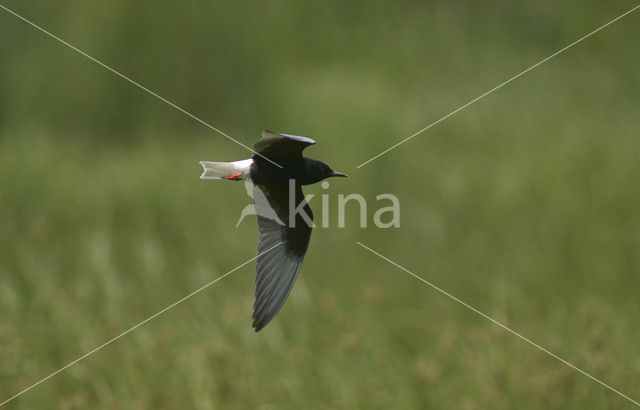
[{"x": 234, "y": 177}]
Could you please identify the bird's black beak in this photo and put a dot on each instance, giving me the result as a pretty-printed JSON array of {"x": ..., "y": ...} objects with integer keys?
[{"x": 338, "y": 174}]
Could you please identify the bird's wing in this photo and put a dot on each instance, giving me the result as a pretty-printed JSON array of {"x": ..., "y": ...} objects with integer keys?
[
  {"x": 281, "y": 146},
  {"x": 278, "y": 268}
]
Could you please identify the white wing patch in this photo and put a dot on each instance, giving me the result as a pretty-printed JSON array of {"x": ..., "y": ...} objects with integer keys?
[{"x": 300, "y": 138}]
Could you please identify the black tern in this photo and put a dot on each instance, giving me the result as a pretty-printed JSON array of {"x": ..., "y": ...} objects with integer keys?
[{"x": 277, "y": 171}]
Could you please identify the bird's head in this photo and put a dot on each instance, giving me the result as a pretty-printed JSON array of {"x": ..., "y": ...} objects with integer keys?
[{"x": 318, "y": 170}]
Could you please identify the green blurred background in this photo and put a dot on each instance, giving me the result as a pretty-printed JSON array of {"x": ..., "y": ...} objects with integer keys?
[{"x": 526, "y": 205}]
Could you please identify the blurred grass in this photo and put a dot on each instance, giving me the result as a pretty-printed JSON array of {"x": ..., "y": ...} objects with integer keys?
[{"x": 525, "y": 205}]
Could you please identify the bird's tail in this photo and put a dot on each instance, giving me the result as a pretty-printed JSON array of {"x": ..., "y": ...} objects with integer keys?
[{"x": 236, "y": 170}]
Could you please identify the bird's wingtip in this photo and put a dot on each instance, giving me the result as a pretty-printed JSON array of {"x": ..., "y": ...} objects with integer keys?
[{"x": 257, "y": 326}]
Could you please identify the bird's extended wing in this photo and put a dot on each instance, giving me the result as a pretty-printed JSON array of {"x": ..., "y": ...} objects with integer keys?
[
  {"x": 281, "y": 146},
  {"x": 278, "y": 268}
]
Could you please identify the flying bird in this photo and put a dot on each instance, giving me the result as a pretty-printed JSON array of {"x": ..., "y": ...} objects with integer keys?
[{"x": 277, "y": 171}]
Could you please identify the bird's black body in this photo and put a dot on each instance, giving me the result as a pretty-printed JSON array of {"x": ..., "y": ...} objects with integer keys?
[{"x": 304, "y": 171}]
